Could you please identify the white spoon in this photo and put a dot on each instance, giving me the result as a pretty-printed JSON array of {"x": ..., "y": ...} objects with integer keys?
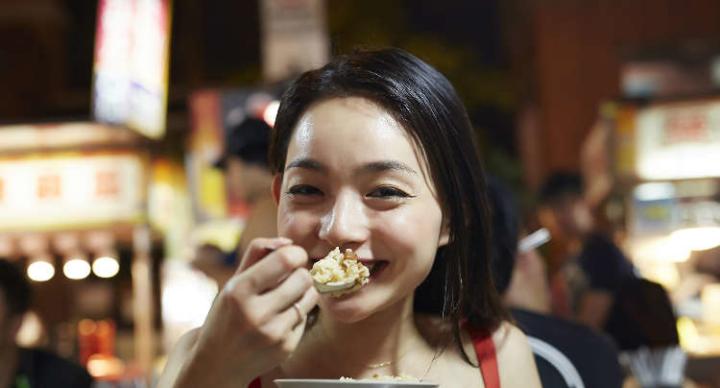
[{"x": 329, "y": 288}]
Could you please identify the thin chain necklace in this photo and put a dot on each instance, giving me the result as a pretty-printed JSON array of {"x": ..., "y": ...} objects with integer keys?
[
  {"x": 388, "y": 363},
  {"x": 436, "y": 354}
]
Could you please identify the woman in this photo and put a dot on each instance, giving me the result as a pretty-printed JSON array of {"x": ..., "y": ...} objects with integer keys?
[{"x": 373, "y": 152}]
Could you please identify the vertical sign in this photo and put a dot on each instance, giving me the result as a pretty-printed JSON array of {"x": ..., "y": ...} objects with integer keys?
[
  {"x": 294, "y": 37},
  {"x": 131, "y": 64}
]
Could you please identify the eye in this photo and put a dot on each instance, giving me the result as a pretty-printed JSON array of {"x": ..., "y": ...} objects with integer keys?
[
  {"x": 388, "y": 192},
  {"x": 303, "y": 190}
]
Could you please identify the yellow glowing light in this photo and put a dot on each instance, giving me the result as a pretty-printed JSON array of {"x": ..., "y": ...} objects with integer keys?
[
  {"x": 105, "y": 267},
  {"x": 100, "y": 365},
  {"x": 710, "y": 297},
  {"x": 40, "y": 271},
  {"x": 699, "y": 238},
  {"x": 76, "y": 269},
  {"x": 86, "y": 327},
  {"x": 31, "y": 331},
  {"x": 666, "y": 250},
  {"x": 663, "y": 273},
  {"x": 688, "y": 334}
]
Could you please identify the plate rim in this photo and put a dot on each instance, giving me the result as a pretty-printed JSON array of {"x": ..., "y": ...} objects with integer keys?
[{"x": 353, "y": 382}]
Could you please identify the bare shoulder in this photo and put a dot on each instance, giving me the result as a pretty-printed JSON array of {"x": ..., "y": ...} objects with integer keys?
[
  {"x": 177, "y": 358},
  {"x": 515, "y": 359}
]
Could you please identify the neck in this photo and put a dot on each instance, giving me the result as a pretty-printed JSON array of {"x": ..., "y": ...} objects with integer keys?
[{"x": 377, "y": 344}]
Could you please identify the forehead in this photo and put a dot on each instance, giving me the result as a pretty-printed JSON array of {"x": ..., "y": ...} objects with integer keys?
[{"x": 352, "y": 129}]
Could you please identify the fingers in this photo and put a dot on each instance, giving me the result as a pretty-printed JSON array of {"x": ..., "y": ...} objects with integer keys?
[
  {"x": 280, "y": 326},
  {"x": 308, "y": 301},
  {"x": 259, "y": 248},
  {"x": 290, "y": 291},
  {"x": 273, "y": 268}
]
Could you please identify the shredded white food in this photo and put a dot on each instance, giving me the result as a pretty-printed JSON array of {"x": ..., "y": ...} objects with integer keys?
[{"x": 337, "y": 267}]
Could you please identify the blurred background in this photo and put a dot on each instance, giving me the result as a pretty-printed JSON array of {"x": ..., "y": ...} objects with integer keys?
[{"x": 114, "y": 112}]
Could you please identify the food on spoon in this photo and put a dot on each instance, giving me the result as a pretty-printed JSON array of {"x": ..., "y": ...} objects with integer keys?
[{"x": 339, "y": 269}]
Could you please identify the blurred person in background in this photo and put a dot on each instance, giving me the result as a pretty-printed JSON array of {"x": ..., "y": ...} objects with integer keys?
[
  {"x": 594, "y": 268},
  {"x": 567, "y": 354},
  {"x": 28, "y": 368},
  {"x": 248, "y": 178},
  {"x": 607, "y": 294}
]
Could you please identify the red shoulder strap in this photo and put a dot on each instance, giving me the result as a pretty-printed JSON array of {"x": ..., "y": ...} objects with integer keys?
[
  {"x": 255, "y": 383},
  {"x": 485, "y": 350}
]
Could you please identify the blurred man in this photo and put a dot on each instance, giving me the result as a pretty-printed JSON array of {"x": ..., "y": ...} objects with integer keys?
[
  {"x": 567, "y": 354},
  {"x": 247, "y": 178},
  {"x": 594, "y": 268},
  {"x": 28, "y": 368}
]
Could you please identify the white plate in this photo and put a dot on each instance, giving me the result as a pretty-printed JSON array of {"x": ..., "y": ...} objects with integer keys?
[{"x": 310, "y": 383}]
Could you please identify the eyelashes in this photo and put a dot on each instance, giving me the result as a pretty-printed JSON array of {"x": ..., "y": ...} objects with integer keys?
[
  {"x": 380, "y": 192},
  {"x": 388, "y": 192},
  {"x": 303, "y": 190}
]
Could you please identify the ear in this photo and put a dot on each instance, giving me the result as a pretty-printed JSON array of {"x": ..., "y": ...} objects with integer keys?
[
  {"x": 276, "y": 186},
  {"x": 444, "y": 233}
]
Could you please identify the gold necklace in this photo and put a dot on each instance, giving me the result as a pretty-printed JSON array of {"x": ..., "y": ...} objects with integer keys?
[
  {"x": 380, "y": 364},
  {"x": 436, "y": 354},
  {"x": 388, "y": 363}
]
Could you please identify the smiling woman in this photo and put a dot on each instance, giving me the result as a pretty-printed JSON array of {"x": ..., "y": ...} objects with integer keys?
[{"x": 373, "y": 153}]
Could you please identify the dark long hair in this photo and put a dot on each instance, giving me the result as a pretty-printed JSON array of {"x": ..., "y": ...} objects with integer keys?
[{"x": 424, "y": 102}]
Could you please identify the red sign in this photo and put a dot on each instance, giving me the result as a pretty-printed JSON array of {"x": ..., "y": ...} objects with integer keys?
[{"x": 687, "y": 127}]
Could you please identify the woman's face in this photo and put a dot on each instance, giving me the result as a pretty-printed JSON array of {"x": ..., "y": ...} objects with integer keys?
[{"x": 354, "y": 179}]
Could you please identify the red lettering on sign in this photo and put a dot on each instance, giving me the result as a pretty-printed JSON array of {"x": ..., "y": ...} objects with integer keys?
[
  {"x": 682, "y": 128},
  {"x": 48, "y": 186},
  {"x": 106, "y": 184}
]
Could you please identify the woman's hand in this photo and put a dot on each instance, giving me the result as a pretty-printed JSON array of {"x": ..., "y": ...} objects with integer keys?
[{"x": 257, "y": 319}]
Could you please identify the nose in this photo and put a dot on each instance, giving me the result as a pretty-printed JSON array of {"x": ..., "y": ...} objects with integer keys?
[{"x": 345, "y": 224}]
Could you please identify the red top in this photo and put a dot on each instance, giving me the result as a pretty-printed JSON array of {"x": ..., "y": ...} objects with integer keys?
[{"x": 485, "y": 350}]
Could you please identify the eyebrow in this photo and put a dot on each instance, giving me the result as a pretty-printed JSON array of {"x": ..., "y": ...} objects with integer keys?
[
  {"x": 372, "y": 167},
  {"x": 307, "y": 163},
  {"x": 387, "y": 165}
]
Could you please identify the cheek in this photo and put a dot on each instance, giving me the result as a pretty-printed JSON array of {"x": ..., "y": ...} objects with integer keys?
[
  {"x": 413, "y": 233},
  {"x": 297, "y": 226}
]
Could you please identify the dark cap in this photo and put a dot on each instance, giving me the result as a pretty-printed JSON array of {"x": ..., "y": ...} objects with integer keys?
[{"x": 248, "y": 141}]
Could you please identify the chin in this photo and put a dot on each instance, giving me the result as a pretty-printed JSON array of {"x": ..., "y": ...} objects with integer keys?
[
  {"x": 356, "y": 307},
  {"x": 345, "y": 309}
]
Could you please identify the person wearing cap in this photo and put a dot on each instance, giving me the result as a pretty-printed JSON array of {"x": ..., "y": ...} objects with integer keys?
[
  {"x": 567, "y": 354},
  {"x": 594, "y": 269},
  {"x": 247, "y": 178}
]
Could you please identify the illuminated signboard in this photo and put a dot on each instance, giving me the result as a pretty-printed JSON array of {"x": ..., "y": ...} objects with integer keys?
[
  {"x": 678, "y": 141},
  {"x": 131, "y": 64},
  {"x": 71, "y": 190}
]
